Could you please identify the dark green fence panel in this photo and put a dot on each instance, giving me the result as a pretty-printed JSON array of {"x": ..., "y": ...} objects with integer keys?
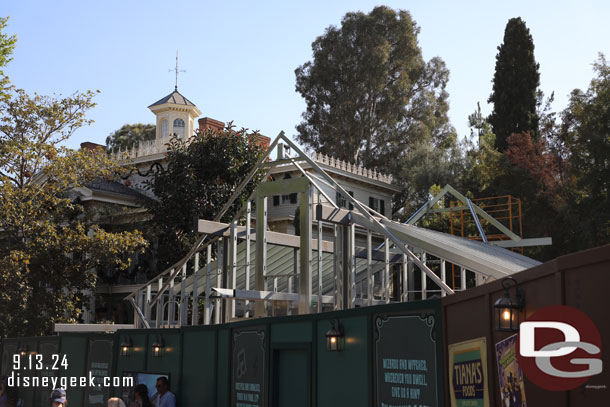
[
  {"x": 74, "y": 346},
  {"x": 343, "y": 377},
  {"x": 224, "y": 368},
  {"x": 198, "y": 367},
  {"x": 291, "y": 332}
]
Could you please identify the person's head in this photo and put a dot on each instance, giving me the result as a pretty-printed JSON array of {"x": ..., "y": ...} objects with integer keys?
[
  {"x": 162, "y": 385},
  {"x": 141, "y": 391},
  {"x": 58, "y": 398},
  {"x": 115, "y": 402}
]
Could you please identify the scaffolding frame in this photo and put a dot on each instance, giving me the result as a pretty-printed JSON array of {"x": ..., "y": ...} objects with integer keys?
[{"x": 353, "y": 271}]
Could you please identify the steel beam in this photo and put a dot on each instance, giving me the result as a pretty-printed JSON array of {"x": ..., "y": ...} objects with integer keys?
[
  {"x": 305, "y": 247},
  {"x": 261, "y": 251}
]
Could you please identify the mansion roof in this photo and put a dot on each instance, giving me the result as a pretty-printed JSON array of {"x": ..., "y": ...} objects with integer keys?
[{"x": 176, "y": 98}]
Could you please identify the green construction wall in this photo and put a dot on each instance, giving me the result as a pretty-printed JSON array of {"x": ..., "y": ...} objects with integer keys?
[
  {"x": 199, "y": 359},
  {"x": 75, "y": 349},
  {"x": 350, "y": 369}
]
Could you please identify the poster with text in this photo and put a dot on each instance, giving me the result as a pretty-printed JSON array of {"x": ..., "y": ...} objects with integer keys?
[
  {"x": 468, "y": 378},
  {"x": 512, "y": 390},
  {"x": 406, "y": 360},
  {"x": 248, "y": 368}
]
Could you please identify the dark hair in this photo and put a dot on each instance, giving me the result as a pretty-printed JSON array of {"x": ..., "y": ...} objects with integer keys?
[
  {"x": 142, "y": 390},
  {"x": 163, "y": 380}
]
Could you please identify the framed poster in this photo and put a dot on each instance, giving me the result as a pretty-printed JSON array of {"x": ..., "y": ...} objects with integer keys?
[
  {"x": 248, "y": 372},
  {"x": 468, "y": 378},
  {"x": 510, "y": 376},
  {"x": 406, "y": 360}
]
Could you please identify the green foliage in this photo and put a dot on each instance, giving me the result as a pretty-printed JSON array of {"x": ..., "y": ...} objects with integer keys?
[
  {"x": 425, "y": 165},
  {"x": 49, "y": 243},
  {"x": 202, "y": 174},
  {"x": 515, "y": 82},
  {"x": 129, "y": 136},
  {"x": 371, "y": 98},
  {"x": 7, "y": 45},
  {"x": 585, "y": 138}
]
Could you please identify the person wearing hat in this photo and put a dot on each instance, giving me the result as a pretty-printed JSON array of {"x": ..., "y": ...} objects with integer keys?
[{"x": 58, "y": 398}]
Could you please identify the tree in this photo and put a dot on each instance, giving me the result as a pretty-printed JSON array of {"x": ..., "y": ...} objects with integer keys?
[
  {"x": 371, "y": 98},
  {"x": 7, "y": 44},
  {"x": 201, "y": 175},
  {"x": 129, "y": 136},
  {"x": 585, "y": 132},
  {"x": 515, "y": 83},
  {"x": 50, "y": 244}
]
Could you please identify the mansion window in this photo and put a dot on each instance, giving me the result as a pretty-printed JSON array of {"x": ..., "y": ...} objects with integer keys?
[
  {"x": 342, "y": 201},
  {"x": 164, "y": 128},
  {"x": 377, "y": 205},
  {"x": 285, "y": 199},
  {"x": 179, "y": 128}
]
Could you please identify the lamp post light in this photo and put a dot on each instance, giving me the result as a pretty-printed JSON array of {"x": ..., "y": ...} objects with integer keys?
[
  {"x": 335, "y": 337},
  {"x": 507, "y": 308}
]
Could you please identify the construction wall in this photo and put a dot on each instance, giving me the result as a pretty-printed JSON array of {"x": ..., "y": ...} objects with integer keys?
[
  {"x": 579, "y": 280},
  {"x": 266, "y": 362}
]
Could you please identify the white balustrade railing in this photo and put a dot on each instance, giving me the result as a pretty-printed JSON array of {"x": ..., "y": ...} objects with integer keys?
[
  {"x": 144, "y": 148},
  {"x": 152, "y": 147},
  {"x": 351, "y": 168}
]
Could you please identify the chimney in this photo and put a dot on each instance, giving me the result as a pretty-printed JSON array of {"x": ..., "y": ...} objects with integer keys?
[
  {"x": 209, "y": 123},
  {"x": 262, "y": 141}
]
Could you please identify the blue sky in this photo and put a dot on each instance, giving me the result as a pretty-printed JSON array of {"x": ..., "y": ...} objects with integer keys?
[{"x": 240, "y": 56}]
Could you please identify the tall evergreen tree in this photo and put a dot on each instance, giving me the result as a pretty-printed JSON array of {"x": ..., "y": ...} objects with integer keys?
[{"x": 514, "y": 85}]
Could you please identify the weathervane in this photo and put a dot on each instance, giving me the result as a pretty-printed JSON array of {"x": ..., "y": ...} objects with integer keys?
[{"x": 176, "y": 70}]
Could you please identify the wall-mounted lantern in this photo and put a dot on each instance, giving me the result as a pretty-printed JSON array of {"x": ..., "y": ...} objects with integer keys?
[
  {"x": 23, "y": 350},
  {"x": 335, "y": 337},
  {"x": 126, "y": 346},
  {"x": 507, "y": 308},
  {"x": 158, "y": 347}
]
